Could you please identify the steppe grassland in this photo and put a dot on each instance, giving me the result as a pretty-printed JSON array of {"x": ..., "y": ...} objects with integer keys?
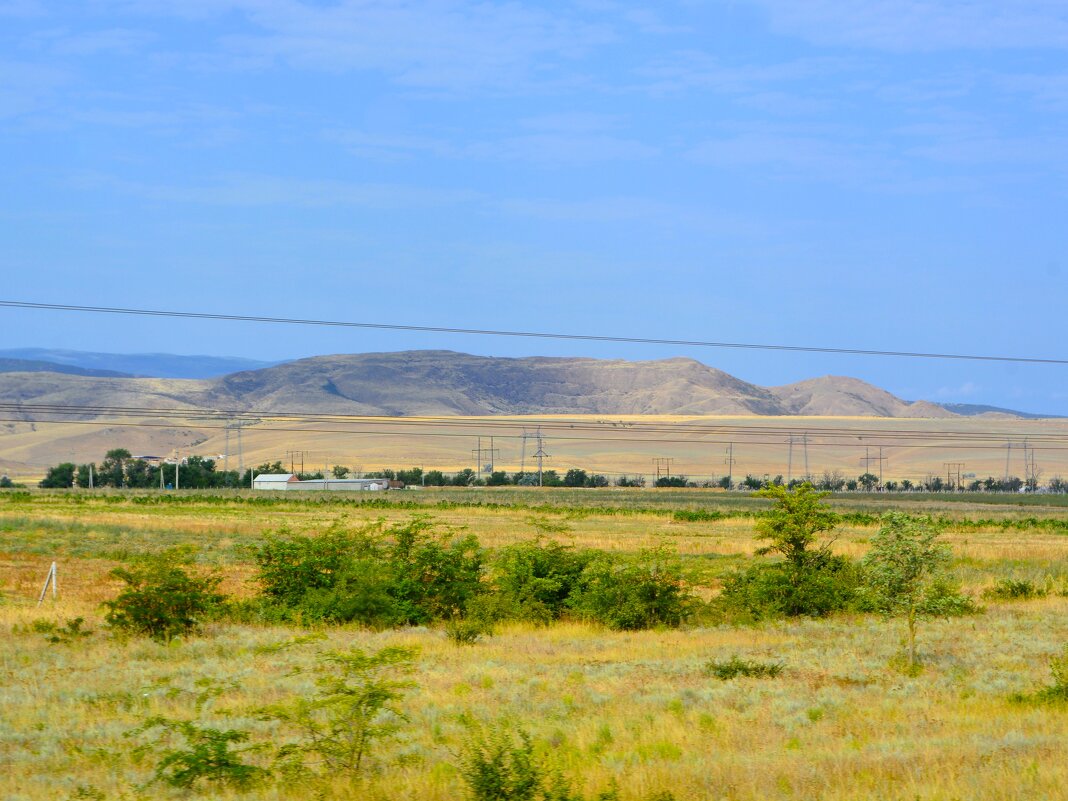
[
  {"x": 605, "y": 444},
  {"x": 840, "y": 723}
]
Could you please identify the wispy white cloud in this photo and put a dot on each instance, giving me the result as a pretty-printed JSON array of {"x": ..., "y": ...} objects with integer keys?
[{"x": 923, "y": 25}]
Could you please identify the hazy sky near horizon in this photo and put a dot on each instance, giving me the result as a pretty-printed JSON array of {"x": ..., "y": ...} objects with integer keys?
[{"x": 883, "y": 174}]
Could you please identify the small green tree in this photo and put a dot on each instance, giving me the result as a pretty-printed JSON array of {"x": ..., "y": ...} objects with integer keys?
[
  {"x": 356, "y": 707},
  {"x": 339, "y": 471},
  {"x": 59, "y": 477},
  {"x": 190, "y": 753},
  {"x": 161, "y": 600},
  {"x": 794, "y": 522},
  {"x": 905, "y": 560},
  {"x": 868, "y": 481}
]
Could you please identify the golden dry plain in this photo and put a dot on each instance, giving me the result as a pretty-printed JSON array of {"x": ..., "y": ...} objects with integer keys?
[
  {"x": 840, "y": 723},
  {"x": 913, "y": 448}
]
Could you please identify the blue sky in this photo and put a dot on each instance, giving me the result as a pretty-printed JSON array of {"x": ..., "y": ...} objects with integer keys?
[{"x": 886, "y": 174}]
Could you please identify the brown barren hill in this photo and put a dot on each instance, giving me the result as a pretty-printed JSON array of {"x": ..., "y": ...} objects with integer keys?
[{"x": 447, "y": 383}]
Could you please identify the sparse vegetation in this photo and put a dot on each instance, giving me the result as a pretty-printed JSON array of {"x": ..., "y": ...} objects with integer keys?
[
  {"x": 613, "y": 710},
  {"x": 748, "y": 668}
]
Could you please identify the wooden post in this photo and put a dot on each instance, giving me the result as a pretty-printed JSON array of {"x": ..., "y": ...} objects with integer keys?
[{"x": 49, "y": 579}]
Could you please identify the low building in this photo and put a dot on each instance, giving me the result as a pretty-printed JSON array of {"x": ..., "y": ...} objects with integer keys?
[
  {"x": 274, "y": 481},
  {"x": 341, "y": 484},
  {"x": 289, "y": 482}
]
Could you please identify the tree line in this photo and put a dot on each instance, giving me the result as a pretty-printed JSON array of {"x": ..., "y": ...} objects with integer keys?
[{"x": 120, "y": 469}]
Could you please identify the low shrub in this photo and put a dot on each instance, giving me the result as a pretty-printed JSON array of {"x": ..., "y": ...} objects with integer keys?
[
  {"x": 466, "y": 631},
  {"x": 642, "y": 592},
  {"x": 1015, "y": 590},
  {"x": 405, "y": 574},
  {"x": 748, "y": 668},
  {"x": 69, "y": 632},
  {"x": 505, "y": 766},
  {"x": 534, "y": 581},
  {"x": 189, "y": 754},
  {"x": 1057, "y": 693},
  {"x": 356, "y": 706},
  {"x": 162, "y": 601},
  {"x": 824, "y": 583},
  {"x": 696, "y": 515}
]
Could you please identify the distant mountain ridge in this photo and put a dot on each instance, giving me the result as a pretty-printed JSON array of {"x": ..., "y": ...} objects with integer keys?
[
  {"x": 36, "y": 366},
  {"x": 145, "y": 365},
  {"x": 450, "y": 383}
]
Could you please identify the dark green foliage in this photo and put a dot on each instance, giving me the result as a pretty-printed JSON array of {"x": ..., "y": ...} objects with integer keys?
[
  {"x": 696, "y": 515},
  {"x": 535, "y": 580},
  {"x": 672, "y": 481},
  {"x": 355, "y": 707},
  {"x": 466, "y": 630},
  {"x": 500, "y": 766},
  {"x": 59, "y": 477},
  {"x": 642, "y": 592},
  {"x": 943, "y": 598},
  {"x": 405, "y": 574},
  {"x": 70, "y": 632},
  {"x": 291, "y": 566},
  {"x": 748, "y": 668},
  {"x": 161, "y": 600},
  {"x": 809, "y": 580},
  {"x": 1015, "y": 590},
  {"x": 504, "y": 766},
  {"x": 201, "y": 754},
  {"x": 823, "y": 584}
]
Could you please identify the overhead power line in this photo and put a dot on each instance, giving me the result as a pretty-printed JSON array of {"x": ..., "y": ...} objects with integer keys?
[
  {"x": 249, "y": 318},
  {"x": 446, "y": 427},
  {"x": 604, "y": 426}
]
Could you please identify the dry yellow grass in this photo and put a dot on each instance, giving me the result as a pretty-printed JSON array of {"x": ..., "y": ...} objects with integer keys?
[
  {"x": 840, "y": 724},
  {"x": 760, "y": 443}
]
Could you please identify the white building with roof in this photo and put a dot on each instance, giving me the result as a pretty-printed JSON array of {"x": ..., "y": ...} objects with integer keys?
[{"x": 274, "y": 481}]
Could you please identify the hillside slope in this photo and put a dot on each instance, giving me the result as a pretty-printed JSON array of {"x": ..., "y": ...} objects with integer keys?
[{"x": 448, "y": 383}]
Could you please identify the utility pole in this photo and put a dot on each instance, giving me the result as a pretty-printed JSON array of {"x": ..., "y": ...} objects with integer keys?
[
  {"x": 663, "y": 467},
  {"x": 953, "y": 470},
  {"x": 177, "y": 461},
  {"x": 540, "y": 454},
  {"x": 868, "y": 459},
  {"x": 729, "y": 461},
  {"x": 293, "y": 456},
  {"x": 803, "y": 439},
  {"x": 491, "y": 454}
]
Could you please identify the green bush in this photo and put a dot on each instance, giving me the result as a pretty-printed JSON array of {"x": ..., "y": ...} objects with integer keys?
[
  {"x": 405, "y": 574},
  {"x": 202, "y": 754},
  {"x": 642, "y": 592},
  {"x": 356, "y": 706},
  {"x": 1057, "y": 693},
  {"x": 1015, "y": 590},
  {"x": 161, "y": 600},
  {"x": 466, "y": 630},
  {"x": 69, "y": 632},
  {"x": 535, "y": 580},
  {"x": 822, "y": 584},
  {"x": 502, "y": 766},
  {"x": 736, "y": 666}
]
